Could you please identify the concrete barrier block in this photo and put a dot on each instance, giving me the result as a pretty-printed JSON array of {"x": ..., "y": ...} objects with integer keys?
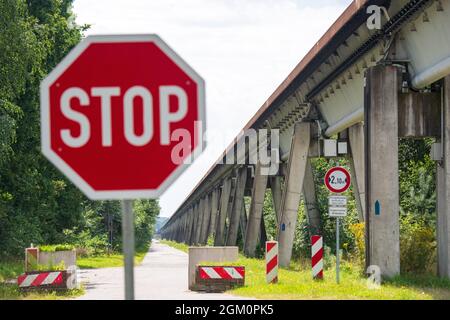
[{"x": 53, "y": 258}]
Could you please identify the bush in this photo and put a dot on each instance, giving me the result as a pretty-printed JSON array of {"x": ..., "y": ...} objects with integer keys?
[
  {"x": 56, "y": 247},
  {"x": 50, "y": 267},
  {"x": 358, "y": 231},
  {"x": 417, "y": 245},
  {"x": 329, "y": 259}
]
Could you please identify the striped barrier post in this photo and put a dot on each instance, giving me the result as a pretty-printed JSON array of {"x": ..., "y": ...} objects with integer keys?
[
  {"x": 36, "y": 280},
  {"x": 272, "y": 261},
  {"x": 317, "y": 257}
]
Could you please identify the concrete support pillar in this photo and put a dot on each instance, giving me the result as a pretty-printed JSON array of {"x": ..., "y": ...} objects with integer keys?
[
  {"x": 243, "y": 221},
  {"x": 356, "y": 140},
  {"x": 214, "y": 212},
  {"x": 205, "y": 222},
  {"x": 190, "y": 227},
  {"x": 292, "y": 191},
  {"x": 255, "y": 214},
  {"x": 197, "y": 223},
  {"x": 230, "y": 206},
  {"x": 201, "y": 211},
  {"x": 236, "y": 210},
  {"x": 382, "y": 182},
  {"x": 275, "y": 186},
  {"x": 179, "y": 229},
  {"x": 263, "y": 232},
  {"x": 311, "y": 206},
  {"x": 182, "y": 227},
  {"x": 443, "y": 189},
  {"x": 224, "y": 200}
]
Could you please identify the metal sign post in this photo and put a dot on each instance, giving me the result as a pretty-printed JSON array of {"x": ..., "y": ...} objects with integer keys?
[
  {"x": 128, "y": 247},
  {"x": 337, "y": 250},
  {"x": 337, "y": 180},
  {"x": 337, "y": 207}
]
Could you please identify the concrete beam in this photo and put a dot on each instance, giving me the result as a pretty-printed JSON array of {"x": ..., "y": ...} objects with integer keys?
[
  {"x": 443, "y": 190},
  {"x": 255, "y": 214},
  {"x": 311, "y": 206},
  {"x": 237, "y": 207},
  {"x": 382, "y": 184},
  {"x": 418, "y": 114},
  {"x": 224, "y": 199},
  {"x": 356, "y": 141},
  {"x": 292, "y": 190}
]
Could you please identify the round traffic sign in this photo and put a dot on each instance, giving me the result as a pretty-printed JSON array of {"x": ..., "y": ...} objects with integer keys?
[{"x": 337, "y": 180}]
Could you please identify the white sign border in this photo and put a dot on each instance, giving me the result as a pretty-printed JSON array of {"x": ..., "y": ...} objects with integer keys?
[{"x": 45, "y": 117}]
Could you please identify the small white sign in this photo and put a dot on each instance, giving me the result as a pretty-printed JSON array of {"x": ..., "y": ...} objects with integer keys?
[
  {"x": 337, "y": 201},
  {"x": 337, "y": 211},
  {"x": 337, "y": 206}
]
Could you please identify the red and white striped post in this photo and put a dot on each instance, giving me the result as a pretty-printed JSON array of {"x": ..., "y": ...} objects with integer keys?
[
  {"x": 272, "y": 261},
  {"x": 317, "y": 257}
]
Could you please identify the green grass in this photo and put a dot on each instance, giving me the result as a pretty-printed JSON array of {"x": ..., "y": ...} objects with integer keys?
[
  {"x": 296, "y": 283},
  {"x": 11, "y": 269},
  {"x": 109, "y": 261},
  {"x": 12, "y": 292},
  {"x": 180, "y": 246},
  {"x": 9, "y": 291}
]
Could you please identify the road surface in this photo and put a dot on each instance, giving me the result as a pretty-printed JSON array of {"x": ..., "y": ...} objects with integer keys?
[{"x": 162, "y": 275}]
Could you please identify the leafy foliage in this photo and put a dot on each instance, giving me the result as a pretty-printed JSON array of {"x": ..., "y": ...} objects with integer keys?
[
  {"x": 56, "y": 247},
  {"x": 37, "y": 204}
]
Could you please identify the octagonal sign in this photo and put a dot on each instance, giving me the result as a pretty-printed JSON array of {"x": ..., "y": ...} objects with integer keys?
[{"x": 122, "y": 116}]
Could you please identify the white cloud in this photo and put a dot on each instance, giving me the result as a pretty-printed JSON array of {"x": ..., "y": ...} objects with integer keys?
[{"x": 243, "y": 50}]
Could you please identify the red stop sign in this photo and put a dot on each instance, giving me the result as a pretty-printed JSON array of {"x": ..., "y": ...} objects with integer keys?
[{"x": 114, "y": 113}]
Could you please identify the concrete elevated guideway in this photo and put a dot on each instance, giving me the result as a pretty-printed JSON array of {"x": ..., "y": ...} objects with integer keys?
[{"x": 367, "y": 87}]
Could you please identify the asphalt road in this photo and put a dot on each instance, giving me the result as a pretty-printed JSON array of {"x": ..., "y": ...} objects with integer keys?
[{"x": 163, "y": 275}]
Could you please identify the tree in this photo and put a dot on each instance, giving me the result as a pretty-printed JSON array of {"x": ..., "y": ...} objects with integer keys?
[{"x": 36, "y": 202}]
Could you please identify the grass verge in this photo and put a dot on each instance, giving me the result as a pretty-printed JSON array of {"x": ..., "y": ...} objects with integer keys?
[
  {"x": 109, "y": 261},
  {"x": 180, "y": 246},
  {"x": 10, "y": 291},
  {"x": 296, "y": 283},
  {"x": 11, "y": 269}
]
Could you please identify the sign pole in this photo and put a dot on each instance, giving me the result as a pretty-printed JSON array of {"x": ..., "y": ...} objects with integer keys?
[
  {"x": 128, "y": 247},
  {"x": 337, "y": 250}
]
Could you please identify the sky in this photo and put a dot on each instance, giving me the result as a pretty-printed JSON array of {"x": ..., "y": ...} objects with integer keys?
[{"x": 243, "y": 49}]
